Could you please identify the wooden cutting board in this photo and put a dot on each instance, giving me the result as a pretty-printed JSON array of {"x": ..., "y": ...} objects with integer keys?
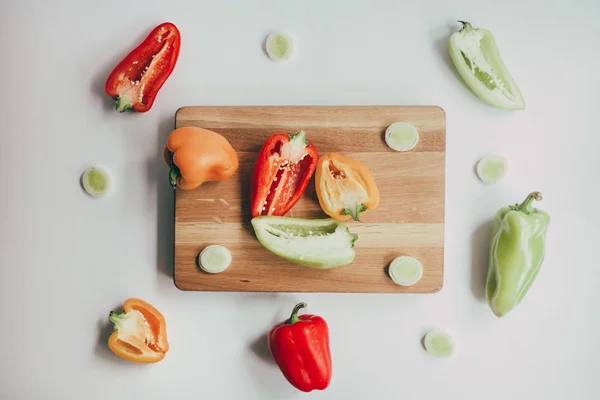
[{"x": 408, "y": 221}]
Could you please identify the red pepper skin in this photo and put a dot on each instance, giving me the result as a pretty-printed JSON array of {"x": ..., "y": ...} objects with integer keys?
[
  {"x": 300, "y": 347},
  {"x": 281, "y": 173},
  {"x": 136, "y": 80}
]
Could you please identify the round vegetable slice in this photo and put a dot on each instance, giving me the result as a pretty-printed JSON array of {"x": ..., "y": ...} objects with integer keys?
[
  {"x": 401, "y": 136},
  {"x": 405, "y": 270},
  {"x": 491, "y": 168},
  {"x": 95, "y": 181},
  {"x": 279, "y": 46},
  {"x": 439, "y": 343},
  {"x": 214, "y": 259}
]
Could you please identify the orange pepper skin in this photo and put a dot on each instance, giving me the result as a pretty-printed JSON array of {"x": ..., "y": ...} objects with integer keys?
[
  {"x": 140, "y": 333},
  {"x": 196, "y": 155},
  {"x": 345, "y": 187}
]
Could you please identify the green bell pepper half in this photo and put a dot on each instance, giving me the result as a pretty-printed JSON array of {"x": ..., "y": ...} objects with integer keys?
[
  {"x": 477, "y": 59},
  {"x": 517, "y": 250},
  {"x": 316, "y": 243}
]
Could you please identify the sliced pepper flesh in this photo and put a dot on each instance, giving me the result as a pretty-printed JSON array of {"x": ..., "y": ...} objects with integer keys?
[
  {"x": 345, "y": 187},
  {"x": 281, "y": 173},
  {"x": 135, "y": 82},
  {"x": 140, "y": 333},
  {"x": 316, "y": 243},
  {"x": 476, "y": 57}
]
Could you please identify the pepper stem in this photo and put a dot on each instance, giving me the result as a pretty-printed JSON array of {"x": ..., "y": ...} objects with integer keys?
[
  {"x": 173, "y": 175},
  {"x": 294, "y": 317},
  {"x": 122, "y": 105},
  {"x": 465, "y": 25},
  {"x": 527, "y": 206},
  {"x": 115, "y": 319},
  {"x": 354, "y": 211},
  {"x": 299, "y": 137}
]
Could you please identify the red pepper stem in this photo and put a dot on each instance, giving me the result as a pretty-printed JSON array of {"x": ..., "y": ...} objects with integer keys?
[
  {"x": 294, "y": 317},
  {"x": 300, "y": 137},
  {"x": 122, "y": 104},
  {"x": 527, "y": 206}
]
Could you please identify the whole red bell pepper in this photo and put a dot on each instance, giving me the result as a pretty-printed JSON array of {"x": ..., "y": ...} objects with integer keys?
[
  {"x": 281, "y": 173},
  {"x": 300, "y": 347},
  {"x": 136, "y": 80}
]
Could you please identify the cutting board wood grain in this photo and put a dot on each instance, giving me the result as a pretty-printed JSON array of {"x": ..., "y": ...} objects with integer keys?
[{"x": 408, "y": 221}]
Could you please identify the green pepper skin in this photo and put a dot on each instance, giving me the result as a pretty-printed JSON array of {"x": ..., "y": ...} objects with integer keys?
[
  {"x": 477, "y": 59},
  {"x": 315, "y": 243},
  {"x": 517, "y": 250}
]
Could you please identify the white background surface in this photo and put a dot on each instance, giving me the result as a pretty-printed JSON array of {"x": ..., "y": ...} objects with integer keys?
[{"x": 66, "y": 260}]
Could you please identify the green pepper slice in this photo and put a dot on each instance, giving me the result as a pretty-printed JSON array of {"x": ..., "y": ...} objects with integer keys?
[
  {"x": 316, "y": 243},
  {"x": 477, "y": 59}
]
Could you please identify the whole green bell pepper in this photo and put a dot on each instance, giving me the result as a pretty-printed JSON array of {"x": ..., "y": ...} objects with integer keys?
[{"x": 517, "y": 250}]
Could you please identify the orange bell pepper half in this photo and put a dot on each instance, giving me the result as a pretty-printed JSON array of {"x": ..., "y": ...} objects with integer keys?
[
  {"x": 345, "y": 187},
  {"x": 197, "y": 155},
  {"x": 140, "y": 333}
]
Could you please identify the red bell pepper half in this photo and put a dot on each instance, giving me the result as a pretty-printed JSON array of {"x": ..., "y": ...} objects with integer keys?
[
  {"x": 300, "y": 348},
  {"x": 136, "y": 80},
  {"x": 281, "y": 173}
]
